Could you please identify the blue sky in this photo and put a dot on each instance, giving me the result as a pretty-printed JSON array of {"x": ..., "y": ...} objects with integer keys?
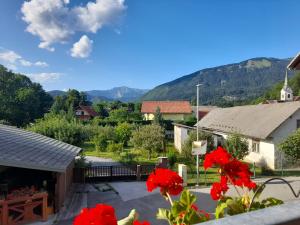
[{"x": 100, "y": 44}]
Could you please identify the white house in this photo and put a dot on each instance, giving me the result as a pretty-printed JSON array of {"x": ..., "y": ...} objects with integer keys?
[
  {"x": 263, "y": 125},
  {"x": 181, "y": 133}
]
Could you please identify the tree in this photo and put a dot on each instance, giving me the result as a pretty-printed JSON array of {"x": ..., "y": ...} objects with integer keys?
[
  {"x": 21, "y": 101},
  {"x": 150, "y": 138},
  {"x": 158, "y": 119},
  {"x": 291, "y": 146},
  {"x": 186, "y": 149},
  {"x": 101, "y": 110},
  {"x": 119, "y": 115},
  {"x": 123, "y": 132},
  {"x": 237, "y": 146}
]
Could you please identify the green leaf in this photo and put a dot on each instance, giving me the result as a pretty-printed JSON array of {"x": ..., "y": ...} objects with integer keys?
[
  {"x": 163, "y": 214},
  {"x": 187, "y": 198},
  {"x": 220, "y": 210}
]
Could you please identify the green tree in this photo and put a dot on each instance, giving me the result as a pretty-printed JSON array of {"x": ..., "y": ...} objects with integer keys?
[
  {"x": 150, "y": 138},
  {"x": 237, "y": 146},
  {"x": 291, "y": 146},
  {"x": 186, "y": 149},
  {"x": 100, "y": 108},
  {"x": 123, "y": 133},
  {"x": 158, "y": 119},
  {"x": 100, "y": 142},
  {"x": 120, "y": 115},
  {"x": 21, "y": 101}
]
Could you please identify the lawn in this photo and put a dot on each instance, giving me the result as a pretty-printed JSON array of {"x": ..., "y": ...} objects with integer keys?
[{"x": 136, "y": 156}]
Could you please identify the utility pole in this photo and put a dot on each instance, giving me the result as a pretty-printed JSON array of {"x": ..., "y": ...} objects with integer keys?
[{"x": 198, "y": 86}]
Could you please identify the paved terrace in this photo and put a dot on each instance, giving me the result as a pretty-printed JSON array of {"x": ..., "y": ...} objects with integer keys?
[{"x": 124, "y": 196}]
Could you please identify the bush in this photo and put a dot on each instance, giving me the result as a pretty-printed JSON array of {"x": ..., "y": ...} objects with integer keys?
[
  {"x": 61, "y": 128},
  {"x": 187, "y": 145},
  {"x": 172, "y": 158},
  {"x": 150, "y": 138},
  {"x": 115, "y": 147},
  {"x": 100, "y": 142},
  {"x": 291, "y": 146},
  {"x": 237, "y": 146},
  {"x": 123, "y": 133}
]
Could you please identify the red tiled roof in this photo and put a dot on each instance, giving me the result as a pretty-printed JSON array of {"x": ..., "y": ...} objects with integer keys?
[
  {"x": 89, "y": 110},
  {"x": 166, "y": 106}
]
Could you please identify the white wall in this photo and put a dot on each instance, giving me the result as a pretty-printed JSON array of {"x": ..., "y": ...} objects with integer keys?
[
  {"x": 281, "y": 133},
  {"x": 180, "y": 135}
]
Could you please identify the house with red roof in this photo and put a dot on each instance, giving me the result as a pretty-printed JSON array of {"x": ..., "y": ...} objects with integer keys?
[
  {"x": 85, "y": 112},
  {"x": 170, "y": 110}
]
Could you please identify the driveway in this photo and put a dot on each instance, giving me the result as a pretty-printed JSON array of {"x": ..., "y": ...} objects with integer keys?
[{"x": 97, "y": 161}]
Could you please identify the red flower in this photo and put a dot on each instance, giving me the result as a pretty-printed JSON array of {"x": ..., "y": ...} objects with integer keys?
[
  {"x": 136, "y": 222},
  {"x": 217, "y": 157},
  {"x": 167, "y": 180},
  {"x": 231, "y": 170},
  {"x": 100, "y": 215}
]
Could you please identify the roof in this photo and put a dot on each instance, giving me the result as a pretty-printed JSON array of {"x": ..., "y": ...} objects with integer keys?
[
  {"x": 257, "y": 121},
  {"x": 89, "y": 110},
  {"x": 204, "y": 108},
  {"x": 166, "y": 107},
  {"x": 25, "y": 149},
  {"x": 295, "y": 63}
]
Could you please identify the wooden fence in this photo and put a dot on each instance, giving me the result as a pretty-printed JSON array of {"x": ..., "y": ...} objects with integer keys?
[{"x": 112, "y": 173}]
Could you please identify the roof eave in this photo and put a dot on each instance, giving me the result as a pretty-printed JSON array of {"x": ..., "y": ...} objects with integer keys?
[{"x": 295, "y": 63}]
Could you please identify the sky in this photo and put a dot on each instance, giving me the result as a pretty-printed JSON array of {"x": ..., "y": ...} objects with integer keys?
[{"x": 101, "y": 44}]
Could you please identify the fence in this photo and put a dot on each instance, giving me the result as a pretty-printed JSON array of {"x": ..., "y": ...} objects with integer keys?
[{"x": 111, "y": 173}]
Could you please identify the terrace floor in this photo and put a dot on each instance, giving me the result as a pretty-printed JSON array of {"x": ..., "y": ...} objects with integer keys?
[{"x": 124, "y": 196}]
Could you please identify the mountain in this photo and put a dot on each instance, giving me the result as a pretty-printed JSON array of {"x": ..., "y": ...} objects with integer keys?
[
  {"x": 228, "y": 83},
  {"x": 124, "y": 94}
]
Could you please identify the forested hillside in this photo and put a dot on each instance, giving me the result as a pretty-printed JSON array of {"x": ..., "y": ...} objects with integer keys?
[
  {"x": 21, "y": 101},
  {"x": 225, "y": 85}
]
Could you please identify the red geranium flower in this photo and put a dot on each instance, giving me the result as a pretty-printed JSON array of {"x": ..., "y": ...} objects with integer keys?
[
  {"x": 100, "y": 215},
  {"x": 231, "y": 170},
  {"x": 136, "y": 222},
  {"x": 217, "y": 157},
  {"x": 167, "y": 180}
]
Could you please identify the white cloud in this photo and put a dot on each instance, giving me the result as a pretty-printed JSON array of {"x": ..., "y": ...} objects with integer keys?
[
  {"x": 82, "y": 48},
  {"x": 9, "y": 56},
  {"x": 44, "y": 78},
  {"x": 12, "y": 59},
  {"x": 53, "y": 21},
  {"x": 41, "y": 64}
]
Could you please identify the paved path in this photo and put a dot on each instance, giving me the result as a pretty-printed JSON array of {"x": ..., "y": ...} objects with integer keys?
[{"x": 97, "y": 161}]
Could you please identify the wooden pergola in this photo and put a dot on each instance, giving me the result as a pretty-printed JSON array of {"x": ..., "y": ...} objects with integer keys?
[{"x": 20, "y": 151}]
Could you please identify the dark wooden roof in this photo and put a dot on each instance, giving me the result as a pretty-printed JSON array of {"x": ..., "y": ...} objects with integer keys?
[
  {"x": 295, "y": 63},
  {"x": 25, "y": 149}
]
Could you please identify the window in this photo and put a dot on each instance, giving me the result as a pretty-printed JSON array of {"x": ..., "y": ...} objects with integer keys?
[
  {"x": 255, "y": 146},
  {"x": 298, "y": 124},
  {"x": 82, "y": 113},
  {"x": 289, "y": 95}
]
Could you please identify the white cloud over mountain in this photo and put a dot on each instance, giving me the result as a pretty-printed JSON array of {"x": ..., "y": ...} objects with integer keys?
[
  {"x": 54, "y": 21},
  {"x": 45, "y": 78},
  {"x": 13, "y": 59},
  {"x": 82, "y": 48}
]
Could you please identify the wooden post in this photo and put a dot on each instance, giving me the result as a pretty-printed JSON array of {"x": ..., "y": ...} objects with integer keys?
[
  {"x": 138, "y": 173},
  {"x": 5, "y": 213},
  {"x": 45, "y": 206}
]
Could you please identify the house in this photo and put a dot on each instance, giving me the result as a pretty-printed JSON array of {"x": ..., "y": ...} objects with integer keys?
[
  {"x": 170, "y": 110},
  {"x": 181, "y": 133},
  {"x": 264, "y": 126},
  {"x": 85, "y": 112},
  {"x": 202, "y": 110},
  {"x": 32, "y": 160}
]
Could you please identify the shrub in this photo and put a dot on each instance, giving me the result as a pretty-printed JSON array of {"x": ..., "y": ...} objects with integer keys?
[
  {"x": 100, "y": 142},
  {"x": 172, "y": 158},
  {"x": 237, "y": 146},
  {"x": 150, "y": 138},
  {"x": 60, "y": 128},
  {"x": 123, "y": 133},
  {"x": 115, "y": 147},
  {"x": 291, "y": 146}
]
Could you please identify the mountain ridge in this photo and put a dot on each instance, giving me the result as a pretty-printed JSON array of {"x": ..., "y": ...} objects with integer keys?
[
  {"x": 240, "y": 81},
  {"x": 122, "y": 93}
]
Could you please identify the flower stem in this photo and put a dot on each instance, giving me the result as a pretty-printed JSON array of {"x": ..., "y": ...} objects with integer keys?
[
  {"x": 170, "y": 199},
  {"x": 234, "y": 186}
]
